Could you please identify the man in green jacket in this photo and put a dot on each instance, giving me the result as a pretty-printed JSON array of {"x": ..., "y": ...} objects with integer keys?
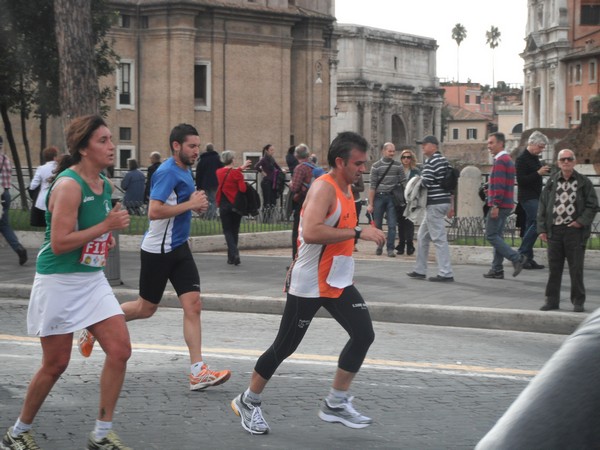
[{"x": 567, "y": 208}]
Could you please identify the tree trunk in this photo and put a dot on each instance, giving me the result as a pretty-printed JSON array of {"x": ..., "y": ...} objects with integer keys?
[
  {"x": 24, "y": 127},
  {"x": 43, "y": 133},
  {"x": 79, "y": 92},
  {"x": 15, "y": 155}
]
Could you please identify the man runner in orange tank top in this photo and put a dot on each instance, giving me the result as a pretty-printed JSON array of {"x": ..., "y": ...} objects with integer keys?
[{"x": 322, "y": 276}]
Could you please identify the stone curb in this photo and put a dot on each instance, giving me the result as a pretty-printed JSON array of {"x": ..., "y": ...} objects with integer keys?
[{"x": 438, "y": 315}]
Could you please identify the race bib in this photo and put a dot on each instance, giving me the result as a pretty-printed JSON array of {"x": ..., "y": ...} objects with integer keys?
[
  {"x": 341, "y": 272},
  {"x": 94, "y": 253}
]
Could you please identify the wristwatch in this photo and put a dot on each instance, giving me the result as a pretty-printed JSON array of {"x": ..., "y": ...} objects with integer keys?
[{"x": 357, "y": 231}]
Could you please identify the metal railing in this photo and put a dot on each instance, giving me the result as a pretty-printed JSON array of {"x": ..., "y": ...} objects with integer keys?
[{"x": 461, "y": 230}]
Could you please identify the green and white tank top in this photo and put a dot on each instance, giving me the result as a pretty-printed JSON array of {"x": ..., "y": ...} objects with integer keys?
[{"x": 93, "y": 209}]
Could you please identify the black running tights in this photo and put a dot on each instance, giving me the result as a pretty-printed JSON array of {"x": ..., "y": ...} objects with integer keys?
[{"x": 349, "y": 310}]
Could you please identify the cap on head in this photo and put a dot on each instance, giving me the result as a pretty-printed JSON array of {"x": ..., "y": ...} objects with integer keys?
[{"x": 429, "y": 140}]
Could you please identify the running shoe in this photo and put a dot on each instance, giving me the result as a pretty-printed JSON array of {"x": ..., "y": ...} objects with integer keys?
[
  {"x": 207, "y": 378},
  {"x": 86, "y": 343},
  {"x": 344, "y": 413},
  {"x": 110, "y": 442},
  {"x": 23, "y": 441},
  {"x": 250, "y": 413}
]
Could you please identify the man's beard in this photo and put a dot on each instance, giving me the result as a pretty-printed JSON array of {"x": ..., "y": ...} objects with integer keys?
[{"x": 185, "y": 160}]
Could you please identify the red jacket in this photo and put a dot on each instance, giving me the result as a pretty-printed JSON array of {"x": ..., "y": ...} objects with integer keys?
[{"x": 234, "y": 183}]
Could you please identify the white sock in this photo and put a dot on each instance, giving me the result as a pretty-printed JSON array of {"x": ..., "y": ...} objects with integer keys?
[
  {"x": 196, "y": 368},
  {"x": 251, "y": 396},
  {"x": 336, "y": 397},
  {"x": 102, "y": 429},
  {"x": 20, "y": 427}
]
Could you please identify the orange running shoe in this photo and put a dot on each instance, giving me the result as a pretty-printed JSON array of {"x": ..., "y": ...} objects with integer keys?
[
  {"x": 86, "y": 343},
  {"x": 207, "y": 378}
]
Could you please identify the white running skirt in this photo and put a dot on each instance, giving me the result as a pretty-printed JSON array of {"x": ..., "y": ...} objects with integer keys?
[{"x": 63, "y": 303}]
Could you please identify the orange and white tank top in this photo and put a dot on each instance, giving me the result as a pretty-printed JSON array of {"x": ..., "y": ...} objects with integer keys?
[{"x": 324, "y": 270}]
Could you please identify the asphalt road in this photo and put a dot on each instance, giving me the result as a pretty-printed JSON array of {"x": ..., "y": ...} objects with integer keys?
[{"x": 425, "y": 387}]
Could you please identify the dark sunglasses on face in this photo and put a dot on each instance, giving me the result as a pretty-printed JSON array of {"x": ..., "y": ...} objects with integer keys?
[
  {"x": 406, "y": 157},
  {"x": 570, "y": 159}
]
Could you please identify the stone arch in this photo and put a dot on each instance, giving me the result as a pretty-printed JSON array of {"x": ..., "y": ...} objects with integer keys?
[{"x": 399, "y": 134}]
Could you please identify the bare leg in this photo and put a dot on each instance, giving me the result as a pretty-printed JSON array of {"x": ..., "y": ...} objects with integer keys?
[
  {"x": 192, "y": 327},
  {"x": 257, "y": 383},
  {"x": 113, "y": 337},
  {"x": 56, "y": 355},
  {"x": 342, "y": 380},
  {"x": 138, "y": 309}
]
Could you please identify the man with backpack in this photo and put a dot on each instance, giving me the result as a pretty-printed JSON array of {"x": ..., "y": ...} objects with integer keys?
[
  {"x": 304, "y": 174},
  {"x": 439, "y": 205}
]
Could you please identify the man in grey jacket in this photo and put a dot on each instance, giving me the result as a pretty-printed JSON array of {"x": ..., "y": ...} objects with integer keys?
[{"x": 386, "y": 174}]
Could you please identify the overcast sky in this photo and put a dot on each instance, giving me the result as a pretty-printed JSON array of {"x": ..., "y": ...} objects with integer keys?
[{"x": 436, "y": 18}]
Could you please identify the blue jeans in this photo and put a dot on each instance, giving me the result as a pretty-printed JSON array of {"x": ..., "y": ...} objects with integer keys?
[
  {"x": 211, "y": 212},
  {"x": 494, "y": 230},
  {"x": 5, "y": 228},
  {"x": 530, "y": 207},
  {"x": 384, "y": 204}
]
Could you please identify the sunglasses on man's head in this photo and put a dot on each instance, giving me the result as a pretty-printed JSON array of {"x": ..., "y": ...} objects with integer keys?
[{"x": 569, "y": 158}]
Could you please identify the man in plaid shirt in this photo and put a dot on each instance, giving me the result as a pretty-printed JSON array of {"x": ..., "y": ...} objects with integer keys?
[{"x": 5, "y": 229}]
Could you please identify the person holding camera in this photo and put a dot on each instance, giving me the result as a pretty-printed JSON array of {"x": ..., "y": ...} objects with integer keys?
[{"x": 530, "y": 171}]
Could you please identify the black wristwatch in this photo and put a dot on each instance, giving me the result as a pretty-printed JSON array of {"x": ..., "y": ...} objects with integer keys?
[{"x": 357, "y": 231}]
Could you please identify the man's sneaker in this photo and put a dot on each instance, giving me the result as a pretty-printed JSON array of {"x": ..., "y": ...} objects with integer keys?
[
  {"x": 499, "y": 275},
  {"x": 23, "y": 441},
  {"x": 344, "y": 413},
  {"x": 207, "y": 378},
  {"x": 110, "y": 442},
  {"x": 379, "y": 251},
  {"x": 252, "y": 419},
  {"x": 86, "y": 343},
  {"x": 518, "y": 265}
]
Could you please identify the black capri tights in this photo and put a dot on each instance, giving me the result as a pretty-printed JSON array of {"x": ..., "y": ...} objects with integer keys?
[{"x": 349, "y": 310}]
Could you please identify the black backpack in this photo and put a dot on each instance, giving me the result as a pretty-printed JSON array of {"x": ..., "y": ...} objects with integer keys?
[
  {"x": 450, "y": 180},
  {"x": 247, "y": 203}
]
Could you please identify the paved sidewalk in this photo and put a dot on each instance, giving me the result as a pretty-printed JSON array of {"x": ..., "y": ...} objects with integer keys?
[{"x": 257, "y": 286}]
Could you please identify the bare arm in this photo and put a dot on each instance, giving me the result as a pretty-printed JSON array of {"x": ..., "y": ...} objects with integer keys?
[
  {"x": 320, "y": 202},
  {"x": 64, "y": 205}
]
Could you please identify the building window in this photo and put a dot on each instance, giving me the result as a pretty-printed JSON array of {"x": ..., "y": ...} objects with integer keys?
[
  {"x": 517, "y": 129},
  {"x": 577, "y": 110},
  {"x": 395, "y": 63},
  {"x": 124, "y": 21},
  {"x": 478, "y": 99},
  {"x": 577, "y": 73},
  {"x": 455, "y": 134},
  {"x": 202, "y": 85},
  {"x": 593, "y": 71},
  {"x": 125, "y": 97},
  {"x": 590, "y": 15},
  {"x": 571, "y": 74},
  {"x": 144, "y": 22},
  {"x": 125, "y": 134},
  {"x": 472, "y": 133},
  {"x": 467, "y": 99},
  {"x": 124, "y": 152}
]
